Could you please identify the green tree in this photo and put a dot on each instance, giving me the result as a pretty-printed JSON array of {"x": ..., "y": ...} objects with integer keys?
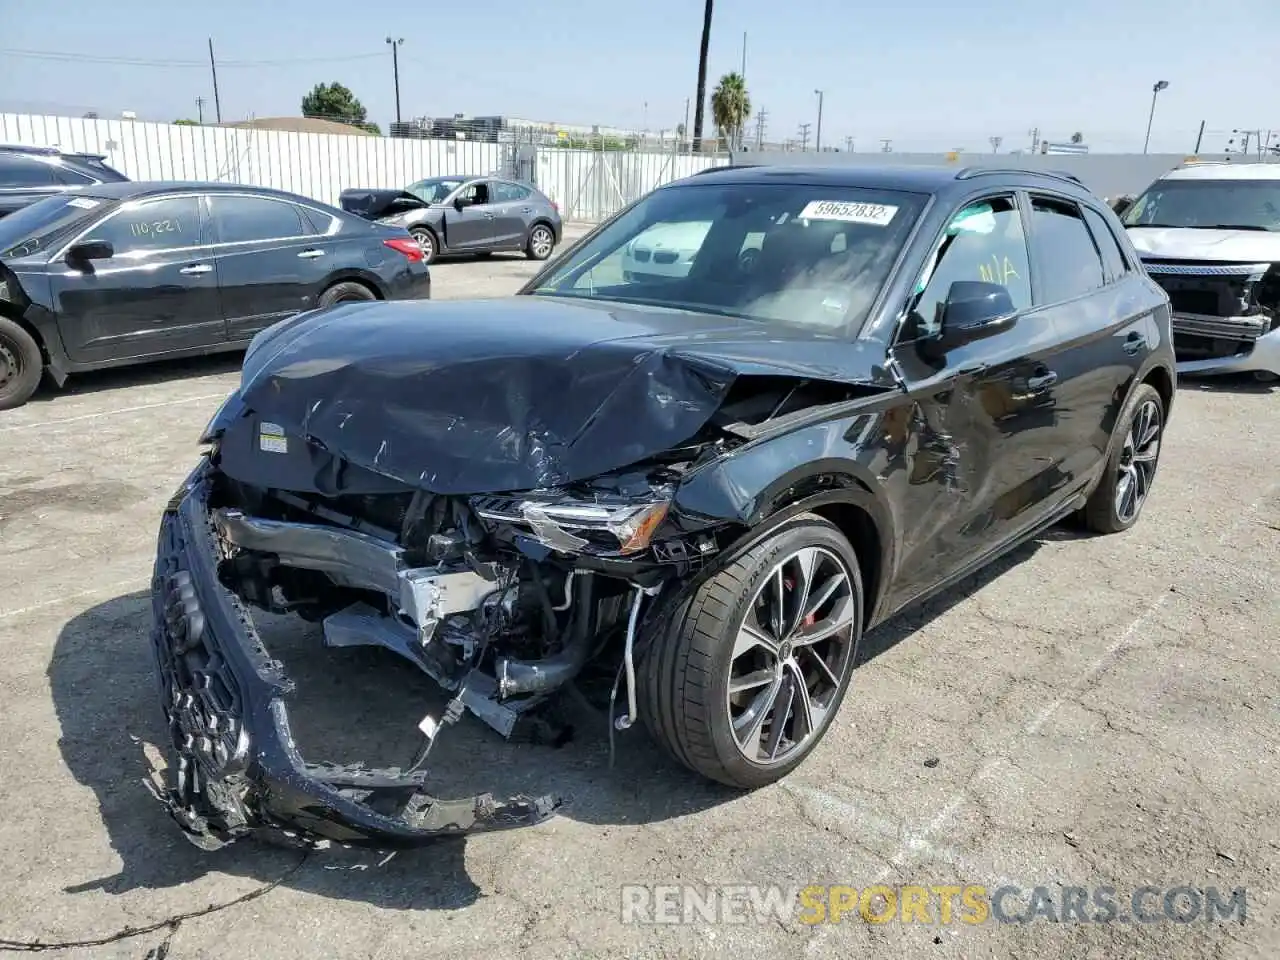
[
  {"x": 333, "y": 101},
  {"x": 730, "y": 108},
  {"x": 702, "y": 77},
  {"x": 185, "y": 123},
  {"x": 1077, "y": 137}
]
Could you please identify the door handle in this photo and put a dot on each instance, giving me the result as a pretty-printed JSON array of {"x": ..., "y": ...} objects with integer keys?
[
  {"x": 488, "y": 216},
  {"x": 310, "y": 254},
  {"x": 1042, "y": 381},
  {"x": 1133, "y": 343},
  {"x": 196, "y": 268}
]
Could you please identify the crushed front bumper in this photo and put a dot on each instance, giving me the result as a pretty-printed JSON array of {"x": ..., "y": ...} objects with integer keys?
[
  {"x": 234, "y": 766},
  {"x": 1255, "y": 348}
]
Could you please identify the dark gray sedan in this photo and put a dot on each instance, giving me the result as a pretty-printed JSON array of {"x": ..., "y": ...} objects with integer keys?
[{"x": 464, "y": 215}]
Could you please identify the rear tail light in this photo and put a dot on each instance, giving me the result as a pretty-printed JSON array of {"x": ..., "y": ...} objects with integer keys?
[{"x": 407, "y": 246}]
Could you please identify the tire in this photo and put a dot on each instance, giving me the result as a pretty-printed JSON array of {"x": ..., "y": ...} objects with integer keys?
[
  {"x": 349, "y": 291},
  {"x": 541, "y": 242},
  {"x": 427, "y": 240},
  {"x": 1134, "y": 460},
  {"x": 21, "y": 365},
  {"x": 689, "y": 658}
]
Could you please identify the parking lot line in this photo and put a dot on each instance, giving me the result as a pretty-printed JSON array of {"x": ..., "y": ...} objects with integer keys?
[
  {"x": 112, "y": 413},
  {"x": 105, "y": 588}
]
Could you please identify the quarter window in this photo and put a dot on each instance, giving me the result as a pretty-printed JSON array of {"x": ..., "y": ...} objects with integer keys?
[
  {"x": 171, "y": 223},
  {"x": 1069, "y": 263},
  {"x": 983, "y": 242},
  {"x": 1113, "y": 261},
  {"x": 244, "y": 219}
]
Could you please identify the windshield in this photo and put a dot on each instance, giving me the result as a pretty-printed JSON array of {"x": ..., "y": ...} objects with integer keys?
[
  {"x": 794, "y": 254},
  {"x": 1206, "y": 204},
  {"x": 435, "y": 189},
  {"x": 36, "y": 228}
]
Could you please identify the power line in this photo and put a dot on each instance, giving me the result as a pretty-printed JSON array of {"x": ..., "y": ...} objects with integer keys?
[{"x": 62, "y": 57}]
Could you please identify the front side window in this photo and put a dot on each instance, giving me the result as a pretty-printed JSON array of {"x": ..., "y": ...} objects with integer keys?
[
  {"x": 475, "y": 195},
  {"x": 245, "y": 219},
  {"x": 141, "y": 228},
  {"x": 779, "y": 253},
  {"x": 1070, "y": 265},
  {"x": 983, "y": 242},
  {"x": 1208, "y": 205},
  {"x": 435, "y": 190}
]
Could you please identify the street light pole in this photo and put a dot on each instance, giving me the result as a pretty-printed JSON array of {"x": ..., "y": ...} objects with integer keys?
[
  {"x": 395, "y": 66},
  {"x": 1155, "y": 92},
  {"x": 817, "y": 140}
]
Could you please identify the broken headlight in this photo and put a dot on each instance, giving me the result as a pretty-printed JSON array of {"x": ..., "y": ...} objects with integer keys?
[{"x": 572, "y": 526}]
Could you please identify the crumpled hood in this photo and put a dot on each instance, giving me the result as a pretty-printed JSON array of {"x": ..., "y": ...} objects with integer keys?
[
  {"x": 1237, "y": 246},
  {"x": 374, "y": 203},
  {"x": 484, "y": 396}
]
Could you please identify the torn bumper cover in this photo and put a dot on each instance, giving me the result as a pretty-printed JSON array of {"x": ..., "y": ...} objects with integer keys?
[{"x": 234, "y": 766}]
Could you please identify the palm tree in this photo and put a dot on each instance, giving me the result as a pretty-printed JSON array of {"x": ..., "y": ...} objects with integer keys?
[
  {"x": 730, "y": 107},
  {"x": 702, "y": 77},
  {"x": 1077, "y": 137}
]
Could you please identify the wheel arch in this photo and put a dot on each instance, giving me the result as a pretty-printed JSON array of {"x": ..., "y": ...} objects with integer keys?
[
  {"x": 1163, "y": 379},
  {"x": 349, "y": 275}
]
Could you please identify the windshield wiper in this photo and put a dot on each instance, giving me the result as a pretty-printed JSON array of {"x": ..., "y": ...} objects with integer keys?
[{"x": 1232, "y": 226}]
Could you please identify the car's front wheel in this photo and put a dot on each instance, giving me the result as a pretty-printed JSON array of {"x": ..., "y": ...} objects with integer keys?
[
  {"x": 1117, "y": 501},
  {"x": 21, "y": 365},
  {"x": 743, "y": 677}
]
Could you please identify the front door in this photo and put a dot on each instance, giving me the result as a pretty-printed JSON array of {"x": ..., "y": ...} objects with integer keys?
[
  {"x": 980, "y": 466},
  {"x": 271, "y": 264},
  {"x": 473, "y": 227},
  {"x": 158, "y": 294}
]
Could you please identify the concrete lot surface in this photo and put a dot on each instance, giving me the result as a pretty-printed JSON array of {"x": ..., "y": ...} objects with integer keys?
[{"x": 1091, "y": 712}]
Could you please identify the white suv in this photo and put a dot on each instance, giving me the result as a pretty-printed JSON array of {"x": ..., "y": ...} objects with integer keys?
[{"x": 1209, "y": 233}]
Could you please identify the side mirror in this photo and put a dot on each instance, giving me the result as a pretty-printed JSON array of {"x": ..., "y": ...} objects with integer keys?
[
  {"x": 974, "y": 311},
  {"x": 460, "y": 203},
  {"x": 90, "y": 250},
  {"x": 1122, "y": 204}
]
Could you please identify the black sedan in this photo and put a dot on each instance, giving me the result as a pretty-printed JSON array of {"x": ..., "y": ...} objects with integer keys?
[
  {"x": 696, "y": 491},
  {"x": 124, "y": 273},
  {"x": 465, "y": 215}
]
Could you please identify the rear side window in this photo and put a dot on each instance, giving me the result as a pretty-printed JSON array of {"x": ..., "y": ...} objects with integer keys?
[
  {"x": 244, "y": 219},
  {"x": 1069, "y": 263},
  {"x": 24, "y": 172},
  {"x": 509, "y": 192},
  {"x": 74, "y": 178},
  {"x": 1113, "y": 261}
]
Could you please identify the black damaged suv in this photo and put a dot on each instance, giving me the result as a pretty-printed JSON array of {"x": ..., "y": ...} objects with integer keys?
[{"x": 846, "y": 390}]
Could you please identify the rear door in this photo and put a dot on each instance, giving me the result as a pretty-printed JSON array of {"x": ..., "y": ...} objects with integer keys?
[
  {"x": 156, "y": 295},
  {"x": 271, "y": 261},
  {"x": 1101, "y": 305},
  {"x": 24, "y": 180},
  {"x": 513, "y": 211}
]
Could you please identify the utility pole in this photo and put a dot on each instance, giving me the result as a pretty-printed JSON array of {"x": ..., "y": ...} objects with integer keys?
[
  {"x": 744, "y": 58},
  {"x": 817, "y": 146},
  {"x": 1155, "y": 92},
  {"x": 1034, "y": 133},
  {"x": 995, "y": 143},
  {"x": 1199, "y": 137},
  {"x": 200, "y": 110},
  {"x": 804, "y": 137},
  {"x": 761, "y": 118},
  {"x": 395, "y": 67},
  {"x": 213, "y": 66}
]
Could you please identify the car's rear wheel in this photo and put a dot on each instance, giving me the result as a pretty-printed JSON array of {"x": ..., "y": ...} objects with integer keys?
[
  {"x": 743, "y": 677},
  {"x": 346, "y": 292},
  {"x": 1117, "y": 501},
  {"x": 20, "y": 365},
  {"x": 427, "y": 241},
  {"x": 541, "y": 242}
]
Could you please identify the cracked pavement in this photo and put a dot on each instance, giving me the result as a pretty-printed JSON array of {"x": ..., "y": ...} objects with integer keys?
[{"x": 1102, "y": 711}]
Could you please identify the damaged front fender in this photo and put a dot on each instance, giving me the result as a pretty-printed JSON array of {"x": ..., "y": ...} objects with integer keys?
[{"x": 234, "y": 765}]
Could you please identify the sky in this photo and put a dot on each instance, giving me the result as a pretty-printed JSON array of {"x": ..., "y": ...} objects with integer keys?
[{"x": 925, "y": 74}]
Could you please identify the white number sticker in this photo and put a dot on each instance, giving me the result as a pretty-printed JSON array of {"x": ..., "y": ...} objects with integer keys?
[
  {"x": 876, "y": 214},
  {"x": 84, "y": 203},
  {"x": 271, "y": 439}
]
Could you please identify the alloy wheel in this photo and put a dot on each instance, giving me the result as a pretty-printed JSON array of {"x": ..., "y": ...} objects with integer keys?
[
  {"x": 426, "y": 243},
  {"x": 790, "y": 655},
  {"x": 541, "y": 242},
  {"x": 1138, "y": 458}
]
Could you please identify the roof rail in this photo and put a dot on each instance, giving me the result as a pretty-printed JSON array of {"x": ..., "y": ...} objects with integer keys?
[
  {"x": 968, "y": 173},
  {"x": 24, "y": 148}
]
